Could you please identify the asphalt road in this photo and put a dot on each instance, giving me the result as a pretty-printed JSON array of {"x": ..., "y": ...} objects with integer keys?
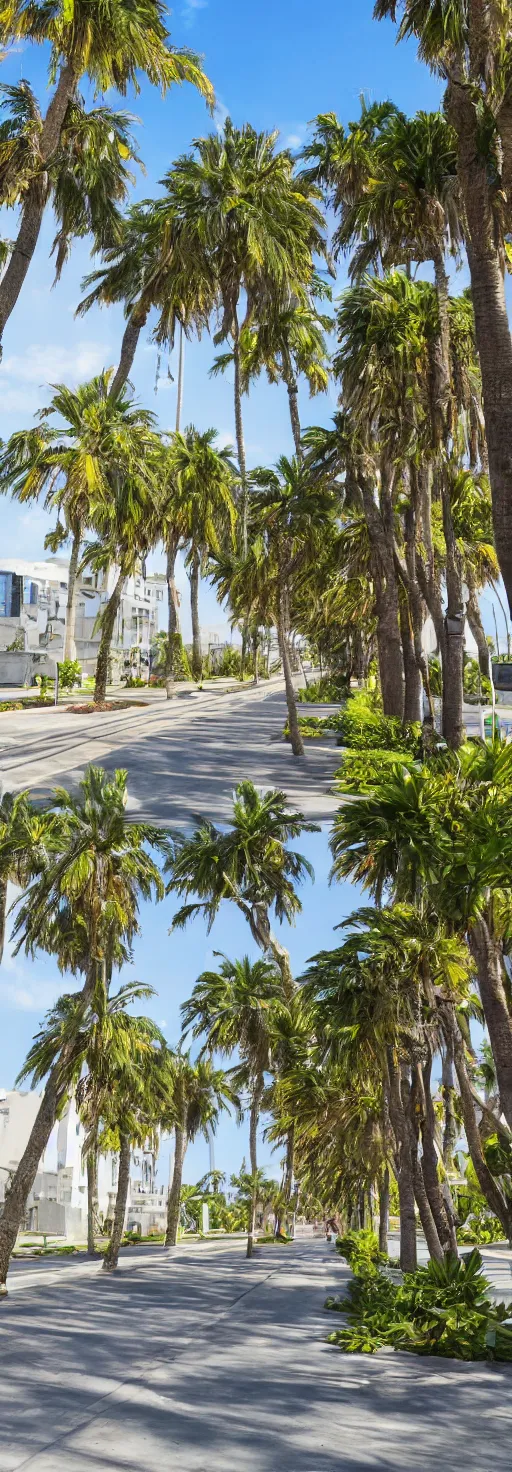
[
  {"x": 183, "y": 757},
  {"x": 213, "y": 1364}
]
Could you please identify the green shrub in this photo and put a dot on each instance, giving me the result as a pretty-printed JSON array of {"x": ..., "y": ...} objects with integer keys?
[
  {"x": 329, "y": 690},
  {"x": 362, "y": 769},
  {"x": 70, "y": 673},
  {"x": 135, "y": 682},
  {"x": 443, "y": 1309},
  {"x": 364, "y": 728},
  {"x": 309, "y": 726},
  {"x": 474, "y": 682}
]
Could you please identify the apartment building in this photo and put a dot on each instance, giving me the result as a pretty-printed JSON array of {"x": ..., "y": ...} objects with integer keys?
[
  {"x": 33, "y": 598},
  {"x": 58, "y": 1201}
]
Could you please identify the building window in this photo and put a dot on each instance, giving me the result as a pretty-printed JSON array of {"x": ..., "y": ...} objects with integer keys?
[{"x": 10, "y": 595}]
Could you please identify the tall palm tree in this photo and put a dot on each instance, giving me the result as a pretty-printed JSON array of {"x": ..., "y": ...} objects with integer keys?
[
  {"x": 201, "y": 479},
  {"x": 89, "y": 175},
  {"x": 238, "y": 213},
  {"x": 25, "y": 837},
  {"x": 291, "y": 514},
  {"x": 72, "y": 463},
  {"x": 287, "y": 343},
  {"x": 199, "y": 1093},
  {"x": 470, "y": 51},
  {"x": 112, "y": 48},
  {"x": 127, "y": 528},
  {"x": 83, "y": 908},
  {"x": 143, "y": 269},
  {"x": 231, "y": 1008},
  {"x": 249, "y": 864}
]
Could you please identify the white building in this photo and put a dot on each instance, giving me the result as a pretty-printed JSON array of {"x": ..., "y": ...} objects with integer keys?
[
  {"x": 58, "y": 1201},
  {"x": 33, "y": 597}
]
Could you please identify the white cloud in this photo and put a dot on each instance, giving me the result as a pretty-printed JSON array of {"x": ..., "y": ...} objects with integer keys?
[
  {"x": 188, "y": 14},
  {"x": 296, "y": 136},
  {"x": 42, "y": 365}
]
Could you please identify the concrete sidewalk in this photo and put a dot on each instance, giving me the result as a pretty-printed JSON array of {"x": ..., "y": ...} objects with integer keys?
[
  {"x": 219, "y": 1365},
  {"x": 183, "y": 757}
]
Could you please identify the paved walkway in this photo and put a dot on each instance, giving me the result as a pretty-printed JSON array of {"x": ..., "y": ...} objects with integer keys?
[
  {"x": 219, "y": 1365},
  {"x": 183, "y": 757}
]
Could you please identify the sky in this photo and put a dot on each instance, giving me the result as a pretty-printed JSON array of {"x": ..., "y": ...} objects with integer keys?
[{"x": 270, "y": 65}]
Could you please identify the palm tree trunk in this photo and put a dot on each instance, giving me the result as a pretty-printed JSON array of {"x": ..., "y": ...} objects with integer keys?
[
  {"x": 69, "y": 635},
  {"x": 174, "y": 1199},
  {"x": 488, "y": 955},
  {"x": 450, "y": 1131},
  {"x": 197, "y": 658},
  {"x": 21, "y": 1184},
  {"x": 293, "y": 717},
  {"x": 179, "y": 395},
  {"x": 453, "y": 663},
  {"x": 289, "y": 1169},
  {"x": 384, "y": 1210},
  {"x": 493, "y": 336},
  {"x": 253, "y": 1157},
  {"x": 474, "y": 619},
  {"x": 35, "y": 198},
  {"x": 255, "y": 654},
  {"x": 293, "y": 392},
  {"x": 92, "y": 1199},
  {"x": 107, "y": 631},
  {"x": 487, "y": 1182},
  {"x": 239, "y": 430},
  {"x": 134, "y": 326},
  {"x": 173, "y": 617},
  {"x": 111, "y": 1258},
  {"x": 412, "y": 673},
  {"x": 444, "y": 1224},
  {"x": 3, "y": 913},
  {"x": 403, "y": 1167}
]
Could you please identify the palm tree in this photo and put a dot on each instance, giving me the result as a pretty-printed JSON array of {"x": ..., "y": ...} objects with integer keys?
[
  {"x": 288, "y": 342},
  {"x": 471, "y": 53},
  {"x": 143, "y": 269},
  {"x": 292, "y": 515},
  {"x": 83, "y": 908},
  {"x": 111, "y": 48},
  {"x": 89, "y": 176},
  {"x": 201, "y": 479},
  {"x": 127, "y": 524},
  {"x": 231, "y": 1009},
  {"x": 71, "y": 463},
  {"x": 25, "y": 836},
  {"x": 199, "y": 1093},
  {"x": 249, "y": 864},
  {"x": 237, "y": 212},
  {"x": 446, "y": 845}
]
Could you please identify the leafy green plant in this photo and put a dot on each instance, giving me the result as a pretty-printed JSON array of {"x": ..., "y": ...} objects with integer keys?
[
  {"x": 364, "y": 728},
  {"x": 311, "y": 727},
  {"x": 44, "y": 683},
  {"x": 443, "y": 1309},
  {"x": 135, "y": 682},
  {"x": 329, "y": 690},
  {"x": 70, "y": 674},
  {"x": 361, "y": 769}
]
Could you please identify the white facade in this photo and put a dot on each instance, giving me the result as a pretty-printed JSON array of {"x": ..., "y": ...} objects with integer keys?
[
  {"x": 33, "y": 597},
  {"x": 58, "y": 1201}
]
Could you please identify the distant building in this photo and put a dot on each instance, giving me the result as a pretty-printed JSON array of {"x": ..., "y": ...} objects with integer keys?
[
  {"x": 33, "y": 597},
  {"x": 58, "y": 1201}
]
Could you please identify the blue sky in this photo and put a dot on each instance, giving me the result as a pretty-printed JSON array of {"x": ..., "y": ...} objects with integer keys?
[{"x": 275, "y": 65}]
